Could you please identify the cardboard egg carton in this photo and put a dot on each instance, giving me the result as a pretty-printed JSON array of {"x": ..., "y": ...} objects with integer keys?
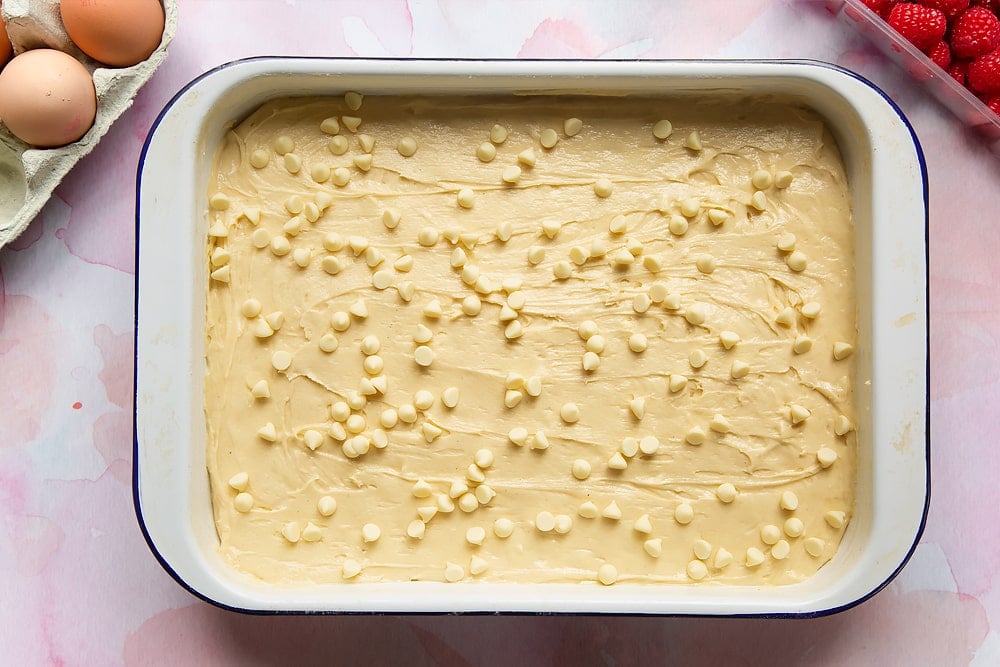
[{"x": 29, "y": 175}]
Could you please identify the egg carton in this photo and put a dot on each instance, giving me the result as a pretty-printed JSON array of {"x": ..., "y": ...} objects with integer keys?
[{"x": 29, "y": 175}]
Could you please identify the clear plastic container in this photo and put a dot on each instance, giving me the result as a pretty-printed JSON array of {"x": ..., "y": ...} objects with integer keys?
[{"x": 969, "y": 108}]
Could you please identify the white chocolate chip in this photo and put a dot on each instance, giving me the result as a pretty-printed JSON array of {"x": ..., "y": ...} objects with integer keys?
[
  {"x": 596, "y": 343},
  {"x": 341, "y": 176},
  {"x": 643, "y": 525},
  {"x": 281, "y": 360},
  {"x": 797, "y": 261},
  {"x": 313, "y": 439},
  {"x": 697, "y": 570},
  {"x": 786, "y": 242},
  {"x": 630, "y": 446},
  {"x": 380, "y": 440},
  {"x": 442, "y": 504},
  {"x": 359, "y": 309},
  {"x": 504, "y": 231},
  {"x": 814, "y": 546},
  {"x": 758, "y": 201},
  {"x": 356, "y": 401},
  {"x": 702, "y": 549},
  {"x": 684, "y": 514},
  {"x": 662, "y": 129},
  {"x": 259, "y": 159},
  {"x": 326, "y": 505},
  {"x": 486, "y": 152},
  {"x": 678, "y": 225},
  {"x": 789, "y": 501},
  {"x": 484, "y": 494},
  {"x": 431, "y": 432},
  {"x": 723, "y": 558},
  {"x": 588, "y": 510},
  {"x": 514, "y": 380},
  {"x": 826, "y": 457},
  {"x": 548, "y": 138},
  {"x": 475, "y": 536},
  {"x": 458, "y": 489},
  {"x": 726, "y": 492},
  {"x": 729, "y": 339},
  {"x": 498, "y": 134},
  {"x": 693, "y": 141},
  {"x": 676, "y": 383},
  {"x": 527, "y": 157},
  {"x": 533, "y": 386},
  {"x": 810, "y": 310},
  {"x": 720, "y": 424},
  {"x": 637, "y": 406},
  {"x": 842, "y": 425},
  {"x": 603, "y": 187},
  {"x": 291, "y": 531},
  {"x": 337, "y": 145},
  {"x": 761, "y": 179},
  {"x": 637, "y": 342},
  {"x": 783, "y": 179},
  {"x": 390, "y": 218},
  {"x": 518, "y": 435},
  {"x": 503, "y": 528},
  {"x": 239, "y": 481},
  {"x": 717, "y": 216},
  {"x": 572, "y": 126},
  {"x": 622, "y": 258},
  {"x": 260, "y": 389},
  {"x": 797, "y": 414},
  {"x": 403, "y": 263},
  {"x": 739, "y": 369},
  {"x": 649, "y": 445},
  {"x": 466, "y": 198},
  {"x": 672, "y": 301},
  {"x": 591, "y": 361},
  {"x": 428, "y": 237},
  {"x": 770, "y": 534},
  {"x": 793, "y": 527},
  {"x": 697, "y": 358},
  {"x": 780, "y": 550},
  {"x": 283, "y": 144},
  {"x": 545, "y": 522},
  {"x": 696, "y": 313},
  {"x": 569, "y": 413},
  {"x": 388, "y": 418},
  {"x": 617, "y": 462},
  {"x": 612, "y": 511},
  {"x": 370, "y": 532},
  {"x": 754, "y": 557},
  {"x": 842, "y": 350},
  {"x": 340, "y": 411},
  {"x": 513, "y": 330},
  {"x": 653, "y": 547},
  {"x": 511, "y": 174},
  {"x": 607, "y": 574},
  {"x": 540, "y": 441},
  {"x": 472, "y": 305},
  {"x": 453, "y": 572},
  {"x": 328, "y": 343},
  {"x": 705, "y": 263},
  {"x": 423, "y": 400},
  {"x": 581, "y": 469},
  {"x": 407, "y": 146},
  {"x": 280, "y": 246},
  {"x": 512, "y": 397},
  {"x": 690, "y": 206},
  {"x": 355, "y": 424},
  {"x": 416, "y": 529},
  {"x": 835, "y": 519},
  {"x": 564, "y": 523}
]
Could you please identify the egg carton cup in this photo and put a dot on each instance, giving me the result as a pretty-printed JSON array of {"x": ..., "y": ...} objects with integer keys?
[{"x": 29, "y": 175}]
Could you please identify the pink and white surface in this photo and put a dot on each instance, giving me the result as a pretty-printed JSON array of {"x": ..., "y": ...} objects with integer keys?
[{"x": 80, "y": 586}]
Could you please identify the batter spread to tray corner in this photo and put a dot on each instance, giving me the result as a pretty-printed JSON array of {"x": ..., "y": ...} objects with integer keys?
[{"x": 530, "y": 339}]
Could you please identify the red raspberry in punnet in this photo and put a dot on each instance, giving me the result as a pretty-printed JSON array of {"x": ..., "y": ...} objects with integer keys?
[
  {"x": 974, "y": 33},
  {"x": 921, "y": 26},
  {"x": 940, "y": 54},
  {"x": 957, "y": 70},
  {"x": 994, "y": 104},
  {"x": 950, "y": 8},
  {"x": 880, "y": 7},
  {"x": 984, "y": 73}
]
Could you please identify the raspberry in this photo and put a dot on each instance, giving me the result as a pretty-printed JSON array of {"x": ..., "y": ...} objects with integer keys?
[
  {"x": 984, "y": 73},
  {"x": 880, "y": 7},
  {"x": 922, "y": 26},
  {"x": 994, "y": 104},
  {"x": 957, "y": 70},
  {"x": 975, "y": 32},
  {"x": 950, "y": 8},
  {"x": 940, "y": 54}
]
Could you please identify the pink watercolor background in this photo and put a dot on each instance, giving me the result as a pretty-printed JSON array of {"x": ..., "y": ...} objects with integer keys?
[{"x": 80, "y": 586}]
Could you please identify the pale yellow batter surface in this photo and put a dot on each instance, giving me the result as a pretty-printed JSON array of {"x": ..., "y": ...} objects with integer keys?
[{"x": 728, "y": 245}]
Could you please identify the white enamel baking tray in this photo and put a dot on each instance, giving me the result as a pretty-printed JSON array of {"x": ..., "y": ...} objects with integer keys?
[{"x": 889, "y": 189}]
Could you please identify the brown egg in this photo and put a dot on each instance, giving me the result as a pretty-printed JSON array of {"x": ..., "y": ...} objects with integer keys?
[
  {"x": 47, "y": 98},
  {"x": 119, "y": 33}
]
